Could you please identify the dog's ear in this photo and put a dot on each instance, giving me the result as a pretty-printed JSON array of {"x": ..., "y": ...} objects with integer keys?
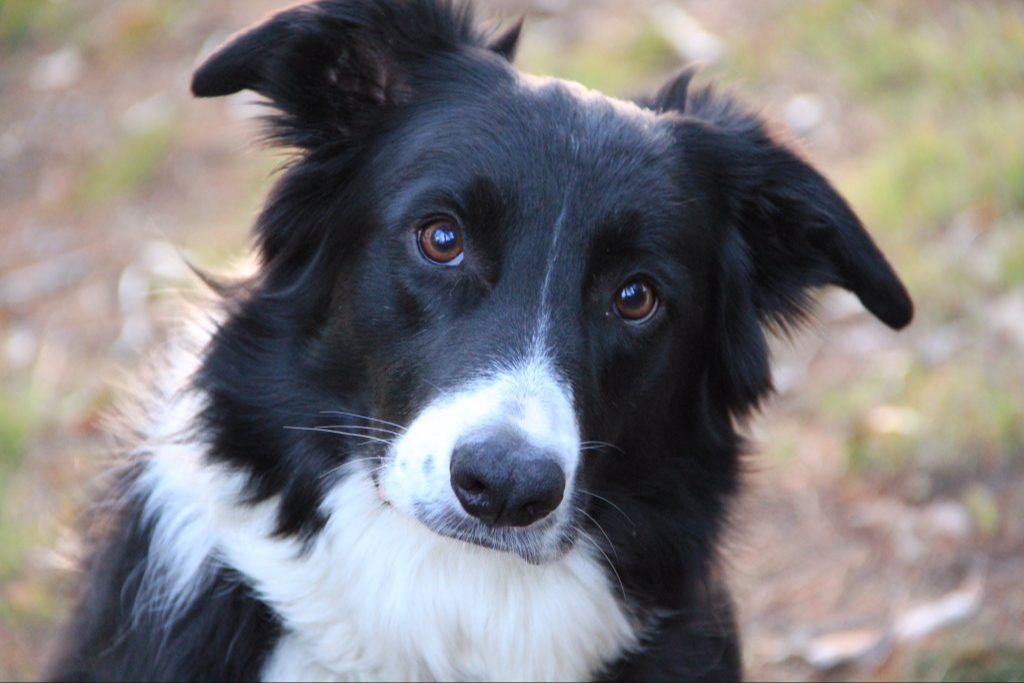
[
  {"x": 787, "y": 232},
  {"x": 330, "y": 66},
  {"x": 507, "y": 42}
]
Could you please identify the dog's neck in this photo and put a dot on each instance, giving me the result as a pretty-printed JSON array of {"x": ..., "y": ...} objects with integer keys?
[{"x": 375, "y": 594}]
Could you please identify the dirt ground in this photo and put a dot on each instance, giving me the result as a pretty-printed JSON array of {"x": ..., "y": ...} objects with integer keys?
[{"x": 881, "y": 532}]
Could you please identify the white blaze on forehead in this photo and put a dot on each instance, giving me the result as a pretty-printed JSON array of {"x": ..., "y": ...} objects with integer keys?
[
  {"x": 545, "y": 414},
  {"x": 529, "y": 398}
]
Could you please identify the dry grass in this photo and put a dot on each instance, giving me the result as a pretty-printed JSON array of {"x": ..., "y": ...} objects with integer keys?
[{"x": 920, "y": 121}]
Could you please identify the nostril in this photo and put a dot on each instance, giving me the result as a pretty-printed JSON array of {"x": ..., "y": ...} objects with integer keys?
[
  {"x": 478, "y": 496},
  {"x": 472, "y": 485},
  {"x": 505, "y": 482},
  {"x": 538, "y": 493}
]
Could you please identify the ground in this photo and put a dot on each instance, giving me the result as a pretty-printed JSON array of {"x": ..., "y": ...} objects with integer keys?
[{"x": 882, "y": 529}]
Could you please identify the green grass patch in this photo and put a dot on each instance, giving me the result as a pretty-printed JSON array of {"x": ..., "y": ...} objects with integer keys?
[
  {"x": 22, "y": 20},
  {"x": 945, "y": 80},
  {"x": 14, "y": 544},
  {"x": 126, "y": 167},
  {"x": 619, "y": 67},
  {"x": 918, "y": 180},
  {"x": 967, "y": 413},
  {"x": 895, "y": 53},
  {"x": 139, "y": 22},
  {"x": 19, "y": 418},
  {"x": 1011, "y": 262},
  {"x": 969, "y": 664}
]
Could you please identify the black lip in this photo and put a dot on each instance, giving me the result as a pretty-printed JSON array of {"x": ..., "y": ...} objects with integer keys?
[{"x": 527, "y": 544}]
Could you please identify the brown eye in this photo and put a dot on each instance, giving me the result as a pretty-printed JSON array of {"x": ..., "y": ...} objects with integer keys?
[
  {"x": 636, "y": 301},
  {"x": 441, "y": 242}
]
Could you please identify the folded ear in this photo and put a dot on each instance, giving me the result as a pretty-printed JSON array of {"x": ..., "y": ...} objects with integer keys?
[
  {"x": 331, "y": 65},
  {"x": 507, "y": 42},
  {"x": 787, "y": 232}
]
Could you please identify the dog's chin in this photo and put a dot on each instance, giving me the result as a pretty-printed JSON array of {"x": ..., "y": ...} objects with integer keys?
[
  {"x": 543, "y": 542},
  {"x": 537, "y": 547},
  {"x": 539, "y": 544}
]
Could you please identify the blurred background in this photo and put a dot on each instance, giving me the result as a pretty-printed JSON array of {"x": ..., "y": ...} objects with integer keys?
[{"x": 882, "y": 532}]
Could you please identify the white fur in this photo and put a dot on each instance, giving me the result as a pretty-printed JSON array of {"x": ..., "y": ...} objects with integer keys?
[
  {"x": 528, "y": 398},
  {"x": 376, "y": 594},
  {"x": 181, "y": 547}
]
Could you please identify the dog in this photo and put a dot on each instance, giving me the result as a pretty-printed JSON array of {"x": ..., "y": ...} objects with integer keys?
[{"x": 477, "y": 415}]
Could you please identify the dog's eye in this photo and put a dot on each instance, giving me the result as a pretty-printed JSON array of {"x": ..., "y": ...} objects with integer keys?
[
  {"x": 636, "y": 301},
  {"x": 441, "y": 242}
]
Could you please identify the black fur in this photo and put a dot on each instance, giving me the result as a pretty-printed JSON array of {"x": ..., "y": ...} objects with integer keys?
[
  {"x": 225, "y": 634},
  {"x": 398, "y": 110}
]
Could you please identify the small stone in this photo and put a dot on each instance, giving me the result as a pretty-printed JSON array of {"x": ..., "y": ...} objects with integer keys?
[
  {"x": 859, "y": 646},
  {"x": 947, "y": 519},
  {"x": 803, "y": 113},
  {"x": 687, "y": 36},
  {"x": 1007, "y": 316},
  {"x": 148, "y": 114},
  {"x": 955, "y": 607},
  {"x": 246, "y": 106},
  {"x": 22, "y": 346},
  {"x": 164, "y": 260},
  {"x": 939, "y": 345},
  {"x": 839, "y": 304},
  {"x": 890, "y": 419},
  {"x": 983, "y": 509},
  {"x": 58, "y": 70}
]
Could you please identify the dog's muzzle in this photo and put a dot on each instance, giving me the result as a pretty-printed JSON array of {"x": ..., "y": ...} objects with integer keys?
[
  {"x": 492, "y": 464},
  {"x": 503, "y": 480}
]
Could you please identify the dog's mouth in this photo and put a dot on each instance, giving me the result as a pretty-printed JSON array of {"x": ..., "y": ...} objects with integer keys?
[{"x": 540, "y": 543}]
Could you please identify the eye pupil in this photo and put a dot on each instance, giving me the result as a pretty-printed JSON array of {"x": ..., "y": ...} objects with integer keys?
[
  {"x": 444, "y": 239},
  {"x": 636, "y": 301},
  {"x": 634, "y": 295},
  {"x": 441, "y": 242}
]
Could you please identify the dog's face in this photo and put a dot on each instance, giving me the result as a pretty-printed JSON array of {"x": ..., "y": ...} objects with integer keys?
[
  {"x": 533, "y": 291},
  {"x": 524, "y": 289}
]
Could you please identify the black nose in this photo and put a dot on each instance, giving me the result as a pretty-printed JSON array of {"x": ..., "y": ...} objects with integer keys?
[{"x": 504, "y": 481}]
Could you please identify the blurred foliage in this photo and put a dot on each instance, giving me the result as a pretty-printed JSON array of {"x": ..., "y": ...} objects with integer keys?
[
  {"x": 19, "y": 421},
  {"x": 18, "y": 418},
  {"x": 126, "y": 167},
  {"x": 928, "y": 103},
  {"x": 617, "y": 63},
  {"x": 942, "y": 186},
  {"x": 962, "y": 664},
  {"x": 129, "y": 26},
  {"x": 140, "y": 21},
  {"x": 960, "y": 419},
  {"x": 20, "y": 20},
  {"x": 908, "y": 57}
]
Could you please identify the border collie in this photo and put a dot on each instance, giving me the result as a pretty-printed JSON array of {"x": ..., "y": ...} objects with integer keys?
[{"x": 476, "y": 415}]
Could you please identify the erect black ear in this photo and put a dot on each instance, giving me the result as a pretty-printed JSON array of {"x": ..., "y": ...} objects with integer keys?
[
  {"x": 507, "y": 41},
  {"x": 331, "y": 65},
  {"x": 787, "y": 232}
]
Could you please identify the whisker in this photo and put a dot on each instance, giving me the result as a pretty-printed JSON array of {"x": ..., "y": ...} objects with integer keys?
[
  {"x": 338, "y": 432},
  {"x": 363, "y": 427},
  {"x": 596, "y": 445},
  {"x": 351, "y": 461},
  {"x": 602, "y": 498},
  {"x": 434, "y": 385},
  {"x": 586, "y": 514},
  {"x": 611, "y": 565},
  {"x": 363, "y": 417}
]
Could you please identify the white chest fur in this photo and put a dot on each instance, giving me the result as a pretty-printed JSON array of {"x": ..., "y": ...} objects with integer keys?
[
  {"x": 376, "y": 595},
  {"x": 383, "y": 597}
]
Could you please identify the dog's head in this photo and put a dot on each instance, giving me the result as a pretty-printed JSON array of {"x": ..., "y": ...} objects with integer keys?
[{"x": 514, "y": 291}]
